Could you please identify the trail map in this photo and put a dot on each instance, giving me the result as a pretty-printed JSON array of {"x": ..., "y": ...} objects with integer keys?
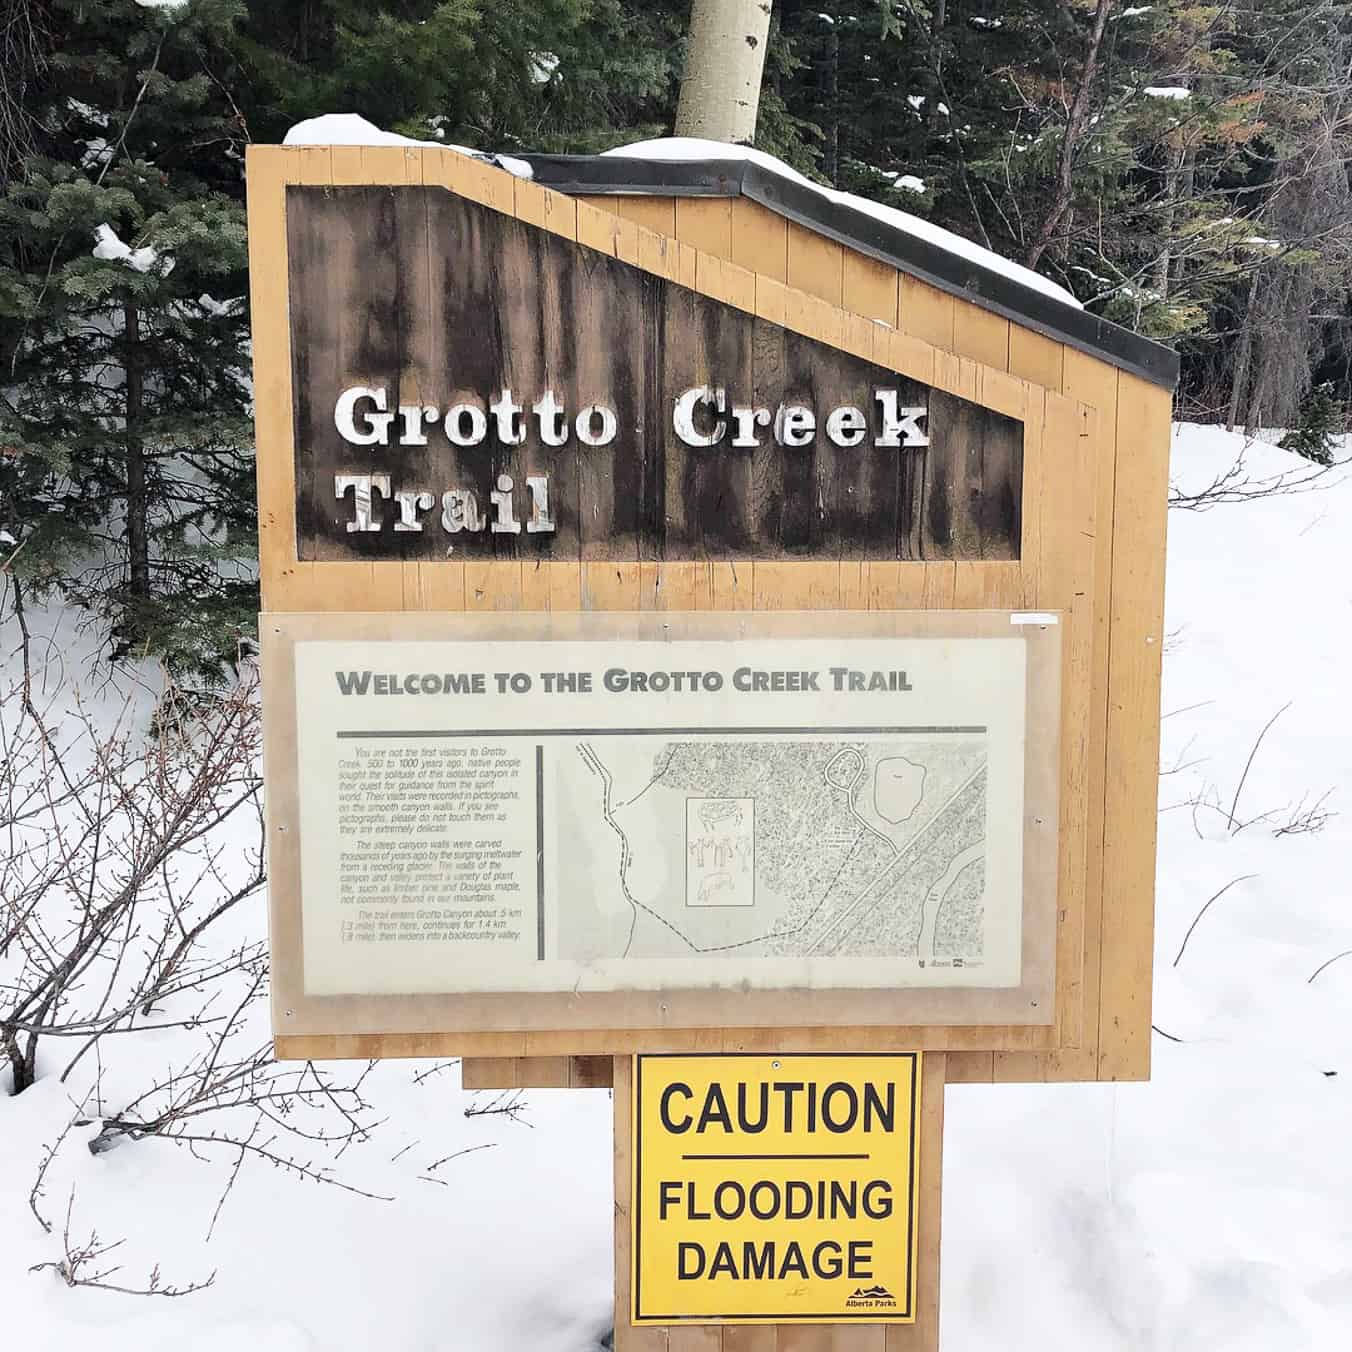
[{"x": 742, "y": 848}]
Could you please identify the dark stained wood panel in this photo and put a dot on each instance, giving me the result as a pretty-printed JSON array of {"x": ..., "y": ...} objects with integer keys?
[{"x": 441, "y": 301}]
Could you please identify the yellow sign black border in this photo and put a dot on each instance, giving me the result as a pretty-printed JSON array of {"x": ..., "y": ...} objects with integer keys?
[{"x": 907, "y": 1314}]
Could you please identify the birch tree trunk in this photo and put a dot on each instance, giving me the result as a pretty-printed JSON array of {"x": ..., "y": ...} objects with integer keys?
[{"x": 725, "y": 57}]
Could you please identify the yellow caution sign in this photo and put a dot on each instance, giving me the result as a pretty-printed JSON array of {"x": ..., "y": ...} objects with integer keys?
[{"x": 768, "y": 1189}]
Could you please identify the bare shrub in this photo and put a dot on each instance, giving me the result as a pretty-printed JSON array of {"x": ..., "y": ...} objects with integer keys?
[
  {"x": 133, "y": 840},
  {"x": 121, "y": 850}
]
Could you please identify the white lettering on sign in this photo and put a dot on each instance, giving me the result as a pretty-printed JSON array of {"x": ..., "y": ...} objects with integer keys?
[
  {"x": 795, "y": 425},
  {"x": 506, "y": 411},
  {"x": 376, "y": 431},
  {"x": 362, "y": 486},
  {"x": 410, "y": 504},
  {"x": 702, "y": 416},
  {"x": 846, "y": 426},
  {"x": 588, "y": 431},
  {"x": 683, "y": 415},
  {"x": 901, "y": 426}
]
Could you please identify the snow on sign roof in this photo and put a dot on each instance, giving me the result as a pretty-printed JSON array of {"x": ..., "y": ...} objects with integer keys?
[
  {"x": 686, "y": 166},
  {"x": 350, "y": 129},
  {"x": 677, "y": 148}
]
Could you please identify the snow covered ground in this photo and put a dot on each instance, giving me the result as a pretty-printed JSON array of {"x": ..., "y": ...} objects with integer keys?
[
  {"x": 1209, "y": 1209},
  {"x": 1212, "y": 1207}
]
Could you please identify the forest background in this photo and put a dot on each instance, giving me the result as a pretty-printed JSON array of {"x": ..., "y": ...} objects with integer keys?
[{"x": 1182, "y": 168}]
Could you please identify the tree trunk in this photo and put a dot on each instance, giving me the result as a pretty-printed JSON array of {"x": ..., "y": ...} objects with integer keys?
[
  {"x": 833, "y": 102},
  {"x": 1077, "y": 124},
  {"x": 1187, "y": 187},
  {"x": 725, "y": 56},
  {"x": 1240, "y": 377},
  {"x": 1172, "y": 174},
  {"x": 138, "y": 532},
  {"x": 21, "y": 1065}
]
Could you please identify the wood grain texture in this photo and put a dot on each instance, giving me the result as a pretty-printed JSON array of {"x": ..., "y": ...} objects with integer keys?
[
  {"x": 269, "y": 172},
  {"x": 869, "y": 288},
  {"x": 981, "y": 335},
  {"x": 442, "y": 302},
  {"x": 1094, "y": 384},
  {"x": 1132, "y": 771},
  {"x": 926, "y": 313},
  {"x": 1036, "y": 358},
  {"x": 760, "y": 240},
  {"x": 816, "y": 264},
  {"x": 923, "y": 1335},
  {"x": 628, "y": 1338}
]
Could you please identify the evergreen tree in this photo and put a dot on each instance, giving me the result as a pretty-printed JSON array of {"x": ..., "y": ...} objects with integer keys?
[
  {"x": 1322, "y": 422},
  {"x": 490, "y": 74},
  {"x": 127, "y": 478}
]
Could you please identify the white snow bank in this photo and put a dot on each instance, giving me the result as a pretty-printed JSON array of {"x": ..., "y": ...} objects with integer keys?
[
  {"x": 692, "y": 148},
  {"x": 1176, "y": 92},
  {"x": 1208, "y": 1208}
]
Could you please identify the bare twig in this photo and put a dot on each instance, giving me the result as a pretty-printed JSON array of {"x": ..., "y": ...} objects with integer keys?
[
  {"x": 1239, "y": 788},
  {"x": 80, "y": 1264},
  {"x": 455, "y": 1155},
  {"x": 1307, "y": 820},
  {"x": 1324, "y": 966},
  {"x": 509, "y": 1103},
  {"x": 1244, "y": 878}
]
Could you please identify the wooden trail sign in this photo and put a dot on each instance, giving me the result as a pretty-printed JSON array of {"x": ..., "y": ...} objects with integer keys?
[{"x": 699, "y": 619}]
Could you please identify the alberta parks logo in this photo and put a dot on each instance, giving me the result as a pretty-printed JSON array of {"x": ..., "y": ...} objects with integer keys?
[{"x": 871, "y": 1298}]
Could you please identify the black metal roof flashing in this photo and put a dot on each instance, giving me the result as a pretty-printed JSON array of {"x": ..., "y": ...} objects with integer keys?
[{"x": 602, "y": 175}]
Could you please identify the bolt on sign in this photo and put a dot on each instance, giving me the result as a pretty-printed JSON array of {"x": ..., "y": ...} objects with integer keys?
[{"x": 775, "y": 1189}]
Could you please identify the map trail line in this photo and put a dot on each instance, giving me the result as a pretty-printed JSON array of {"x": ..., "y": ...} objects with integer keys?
[{"x": 594, "y": 762}]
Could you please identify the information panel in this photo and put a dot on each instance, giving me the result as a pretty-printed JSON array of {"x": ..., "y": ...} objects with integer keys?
[
  {"x": 605, "y": 815},
  {"x": 608, "y": 805},
  {"x": 772, "y": 1189}
]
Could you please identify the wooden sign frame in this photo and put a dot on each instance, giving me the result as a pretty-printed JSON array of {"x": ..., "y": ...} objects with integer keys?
[
  {"x": 1095, "y": 466},
  {"x": 649, "y": 1020}
]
